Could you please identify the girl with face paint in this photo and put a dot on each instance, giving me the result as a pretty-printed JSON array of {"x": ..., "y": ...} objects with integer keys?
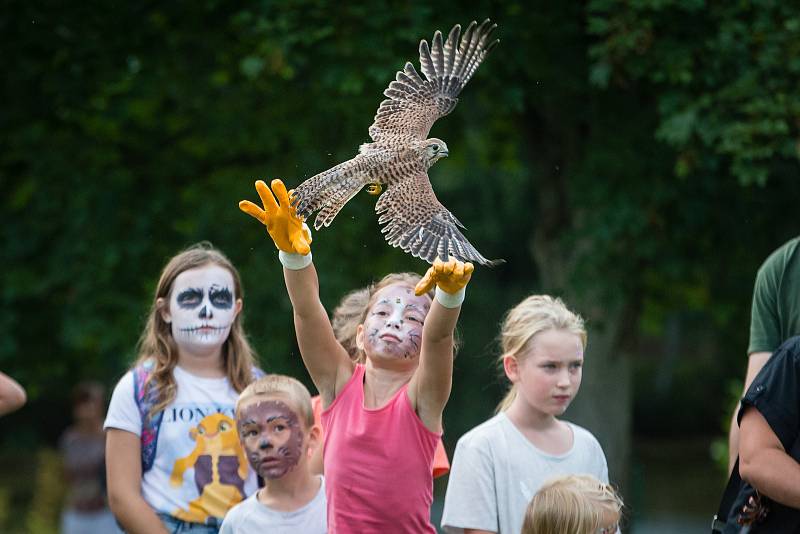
[
  {"x": 277, "y": 431},
  {"x": 383, "y": 414},
  {"x": 499, "y": 465},
  {"x": 345, "y": 320},
  {"x": 179, "y": 420}
]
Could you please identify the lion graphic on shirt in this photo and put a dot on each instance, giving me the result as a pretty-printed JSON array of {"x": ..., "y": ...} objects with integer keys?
[{"x": 220, "y": 469}]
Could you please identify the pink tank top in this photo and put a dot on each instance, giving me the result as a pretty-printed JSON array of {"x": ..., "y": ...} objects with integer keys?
[{"x": 377, "y": 464}]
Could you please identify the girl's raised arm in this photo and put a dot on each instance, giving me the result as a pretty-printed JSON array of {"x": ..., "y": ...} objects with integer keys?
[
  {"x": 327, "y": 362},
  {"x": 430, "y": 386}
]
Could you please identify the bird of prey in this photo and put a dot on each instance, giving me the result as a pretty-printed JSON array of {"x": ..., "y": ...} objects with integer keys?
[{"x": 400, "y": 153}]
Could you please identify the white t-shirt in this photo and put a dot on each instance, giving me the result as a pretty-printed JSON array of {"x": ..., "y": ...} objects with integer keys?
[
  {"x": 201, "y": 416},
  {"x": 496, "y": 471},
  {"x": 252, "y": 517}
]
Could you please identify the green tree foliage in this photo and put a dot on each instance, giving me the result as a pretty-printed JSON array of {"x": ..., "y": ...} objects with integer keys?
[
  {"x": 133, "y": 129},
  {"x": 725, "y": 75}
]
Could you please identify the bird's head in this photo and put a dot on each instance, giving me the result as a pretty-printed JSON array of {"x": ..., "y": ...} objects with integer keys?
[{"x": 435, "y": 149}]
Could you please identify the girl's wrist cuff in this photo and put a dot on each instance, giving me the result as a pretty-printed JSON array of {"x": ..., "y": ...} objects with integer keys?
[
  {"x": 450, "y": 300},
  {"x": 294, "y": 262}
]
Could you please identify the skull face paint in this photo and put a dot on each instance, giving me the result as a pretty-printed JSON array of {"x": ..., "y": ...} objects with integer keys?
[
  {"x": 272, "y": 437},
  {"x": 202, "y": 307},
  {"x": 393, "y": 326}
]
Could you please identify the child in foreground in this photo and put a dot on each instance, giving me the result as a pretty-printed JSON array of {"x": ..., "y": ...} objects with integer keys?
[
  {"x": 573, "y": 504},
  {"x": 173, "y": 459},
  {"x": 345, "y": 319},
  {"x": 382, "y": 418},
  {"x": 499, "y": 465},
  {"x": 276, "y": 429}
]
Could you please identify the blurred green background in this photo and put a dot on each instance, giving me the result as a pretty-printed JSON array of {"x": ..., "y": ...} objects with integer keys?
[{"x": 637, "y": 158}]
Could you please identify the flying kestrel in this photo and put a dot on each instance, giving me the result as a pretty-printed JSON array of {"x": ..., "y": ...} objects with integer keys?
[{"x": 400, "y": 154}]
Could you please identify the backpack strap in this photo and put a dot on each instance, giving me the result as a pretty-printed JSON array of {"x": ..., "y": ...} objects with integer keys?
[
  {"x": 728, "y": 498},
  {"x": 146, "y": 397}
]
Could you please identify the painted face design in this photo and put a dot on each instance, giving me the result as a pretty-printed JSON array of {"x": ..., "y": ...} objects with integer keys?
[
  {"x": 393, "y": 326},
  {"x": 202, "y": 307},
  {"x": 272, "y": 437}
]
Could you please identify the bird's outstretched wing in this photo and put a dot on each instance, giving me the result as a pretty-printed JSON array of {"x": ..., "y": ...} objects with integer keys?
[
  {"x": 414, "y": 103},
  {"x": 416, "y": 221}
]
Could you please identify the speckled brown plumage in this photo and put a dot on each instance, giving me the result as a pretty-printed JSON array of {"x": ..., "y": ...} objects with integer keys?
[{"x": 400, "y": 155}]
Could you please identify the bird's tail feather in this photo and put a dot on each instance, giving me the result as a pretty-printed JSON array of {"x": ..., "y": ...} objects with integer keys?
[
  {"x": 328, "y": 191},
  {"x": 346, "y": 190}
]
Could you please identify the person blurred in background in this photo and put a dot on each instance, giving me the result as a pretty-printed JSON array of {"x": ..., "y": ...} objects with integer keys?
[
  {"x": 12, "y": 395},
  {"x": 82, "y": 447}
]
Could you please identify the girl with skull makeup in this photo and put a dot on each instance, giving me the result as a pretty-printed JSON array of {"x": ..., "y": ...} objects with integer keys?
[
  {"x": 382, "y": 417},
  {"x": 172, "y": 414}
]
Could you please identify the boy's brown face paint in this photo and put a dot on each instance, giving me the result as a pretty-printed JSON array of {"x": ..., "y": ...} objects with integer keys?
[{"x": 272, "y": 437}]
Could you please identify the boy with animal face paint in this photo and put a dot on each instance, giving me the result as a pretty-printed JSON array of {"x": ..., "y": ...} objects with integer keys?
[{"x": 276, "y": 428}]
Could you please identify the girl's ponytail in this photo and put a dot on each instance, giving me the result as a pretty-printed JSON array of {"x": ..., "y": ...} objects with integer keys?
[
  {"x": 511, "y": 394},
  {"x": 535, "y": 314}
]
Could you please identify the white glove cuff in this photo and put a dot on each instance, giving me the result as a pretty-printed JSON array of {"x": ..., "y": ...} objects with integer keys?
[
  {"x": 450, "y": 300},
  {"x": 294, "y": 262}
]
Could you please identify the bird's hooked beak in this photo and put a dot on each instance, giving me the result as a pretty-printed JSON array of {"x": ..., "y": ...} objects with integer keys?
[{"x": 443, "y": 153}]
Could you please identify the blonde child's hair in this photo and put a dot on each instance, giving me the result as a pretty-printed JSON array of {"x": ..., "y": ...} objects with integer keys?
[
  {"x": 535, "y": 314},
  {"x": 574, "y": 504},
  {"x": 157, "y": 344},
  {"x": 281, "y": 385},
  {"x": 352, "y": 310}
]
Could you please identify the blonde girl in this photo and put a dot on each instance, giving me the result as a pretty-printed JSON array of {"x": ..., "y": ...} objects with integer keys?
[
  {"x": 499, "y": 465},
  {"x": 578, "y": 504},
  {"x": 383, "y": 417},
  {"x": 172, "y": 414}
]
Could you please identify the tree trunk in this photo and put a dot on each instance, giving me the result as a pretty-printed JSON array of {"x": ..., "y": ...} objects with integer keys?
[{"x": 604, "y": 404}]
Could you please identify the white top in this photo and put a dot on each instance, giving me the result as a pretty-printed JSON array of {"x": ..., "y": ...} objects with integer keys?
[
  {"x": 496, "y": 471},
  {"x": 209, "y": 402},
  {"x": 252, "y": 517}
]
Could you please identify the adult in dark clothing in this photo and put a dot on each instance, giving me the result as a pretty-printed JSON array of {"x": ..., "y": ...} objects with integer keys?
[{"x": 769, "y": 447}]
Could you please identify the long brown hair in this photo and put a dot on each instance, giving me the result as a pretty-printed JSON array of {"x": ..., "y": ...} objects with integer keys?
[
  {"x": 157, "y": 344},
  {"x": 536, "y": 313}
]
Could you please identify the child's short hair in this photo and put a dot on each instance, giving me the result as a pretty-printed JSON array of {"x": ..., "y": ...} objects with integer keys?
[
  {"x": 578, "y": 504},
  {"x": 281, "y": 385}
]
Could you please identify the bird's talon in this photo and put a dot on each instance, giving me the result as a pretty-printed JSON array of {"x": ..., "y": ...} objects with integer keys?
[{"x": 374, "y": 189}]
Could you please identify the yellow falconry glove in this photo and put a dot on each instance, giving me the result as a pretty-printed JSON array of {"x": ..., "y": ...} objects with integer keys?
[
  {"x": 286, "y": 229},
  {"x": 450, "y": 276}
]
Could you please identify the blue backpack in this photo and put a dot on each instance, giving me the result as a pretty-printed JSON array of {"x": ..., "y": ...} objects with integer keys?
[{"x": 146, "y": 398}]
